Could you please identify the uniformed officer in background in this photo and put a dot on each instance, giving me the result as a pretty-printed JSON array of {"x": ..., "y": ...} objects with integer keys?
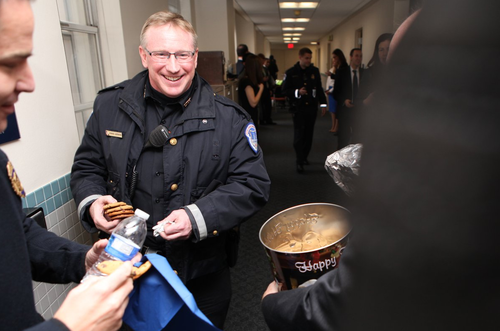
[
  {"x": 167, "y": 144},
  {"x": 302, "y": 86}
]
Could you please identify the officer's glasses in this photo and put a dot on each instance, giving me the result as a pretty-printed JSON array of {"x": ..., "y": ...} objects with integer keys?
[{"x": 163, "y": 56}]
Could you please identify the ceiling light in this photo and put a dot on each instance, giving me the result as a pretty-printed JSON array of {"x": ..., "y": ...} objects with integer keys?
[
  {"x": 294, "y": 20},
  {"x": 292, "y": 34},
  {"x": 300, "y": 5},
  {"x": 287, "y": 38},
  {"x": 294, "y": 29}
]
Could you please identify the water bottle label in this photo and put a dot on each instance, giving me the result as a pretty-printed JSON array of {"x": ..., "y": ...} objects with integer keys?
[{"x": 121, "y": 248}]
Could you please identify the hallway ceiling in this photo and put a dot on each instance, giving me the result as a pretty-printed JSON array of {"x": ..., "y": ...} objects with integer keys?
[{"x": 267, "y": 15}]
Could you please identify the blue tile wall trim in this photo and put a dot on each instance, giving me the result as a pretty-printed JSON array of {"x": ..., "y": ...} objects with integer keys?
[{"x": 51, "y": 196}]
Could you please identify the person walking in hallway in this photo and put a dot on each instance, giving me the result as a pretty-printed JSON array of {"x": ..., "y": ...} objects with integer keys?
[
  {"x": 302, "y": 85},
  {"x": 338, "y": 61}
]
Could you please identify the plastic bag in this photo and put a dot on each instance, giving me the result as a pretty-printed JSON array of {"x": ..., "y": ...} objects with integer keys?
[{"x": 343, "y": 166}]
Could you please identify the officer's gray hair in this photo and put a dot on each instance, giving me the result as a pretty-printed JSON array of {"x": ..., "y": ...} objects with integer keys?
[{"x": 165, "y": 18}]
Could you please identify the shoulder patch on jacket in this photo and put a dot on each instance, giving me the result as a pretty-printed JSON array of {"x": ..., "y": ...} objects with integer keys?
[{"x": 251, "y": 134}]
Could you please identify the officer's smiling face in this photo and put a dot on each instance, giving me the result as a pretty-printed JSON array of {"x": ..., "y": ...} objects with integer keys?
[{"x": 169, "y": 77}]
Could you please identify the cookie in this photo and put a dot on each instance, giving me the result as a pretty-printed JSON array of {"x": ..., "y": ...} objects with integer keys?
[
  {"x": 113, "y": 205},
  {"x": 125, "y": 213},
  {"x": 108, "y": 267},
  {"x": 119, "y": 208}
]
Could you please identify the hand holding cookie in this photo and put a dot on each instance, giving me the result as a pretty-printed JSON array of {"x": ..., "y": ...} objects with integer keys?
[{"x": 96, "y": 211}]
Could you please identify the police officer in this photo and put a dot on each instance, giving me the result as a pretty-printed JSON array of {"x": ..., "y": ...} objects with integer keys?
[
  {"x": 29, "y": 252},
  {"x": 302, "y": 86},
  {"x": 167, "y": 144}
]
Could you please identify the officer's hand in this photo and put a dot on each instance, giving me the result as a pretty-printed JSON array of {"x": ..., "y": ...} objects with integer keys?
[
  {"x": 302, "y": 91},
  {"x": 97, "y": 213},
  {"x": 98, "y": 303},
  {"x": 178, "y": 226},
  {"x": 348, "y": 103}
]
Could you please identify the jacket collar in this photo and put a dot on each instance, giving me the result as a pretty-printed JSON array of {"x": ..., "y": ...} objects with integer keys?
[{"x": 200, "y": 103}]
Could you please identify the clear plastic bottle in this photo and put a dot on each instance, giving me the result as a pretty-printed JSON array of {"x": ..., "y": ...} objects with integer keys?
[{"x": 124, "y": 243}]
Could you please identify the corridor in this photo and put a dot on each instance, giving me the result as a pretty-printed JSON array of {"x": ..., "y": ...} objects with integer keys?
[{"x": 252, "y": 273}]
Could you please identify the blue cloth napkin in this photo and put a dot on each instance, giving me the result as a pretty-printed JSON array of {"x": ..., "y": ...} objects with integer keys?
[{"x": 160, "y": 301}]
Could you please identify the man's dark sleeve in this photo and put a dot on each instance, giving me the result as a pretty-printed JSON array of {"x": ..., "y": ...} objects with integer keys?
[
  {"x": 53, "y": 259},
  {"x": 314, "y": 308}
]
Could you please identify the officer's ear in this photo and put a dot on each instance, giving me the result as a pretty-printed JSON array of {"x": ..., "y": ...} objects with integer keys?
[{"x": 144, "y": 57}]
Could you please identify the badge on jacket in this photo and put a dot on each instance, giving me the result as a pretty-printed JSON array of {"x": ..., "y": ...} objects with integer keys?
[
  {"x": 251, "y": 134},
  {"x": 15, "y": 181}
]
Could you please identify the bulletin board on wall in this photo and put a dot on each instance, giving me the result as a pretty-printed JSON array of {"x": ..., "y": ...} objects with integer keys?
[{"x": 12, "y": 131}]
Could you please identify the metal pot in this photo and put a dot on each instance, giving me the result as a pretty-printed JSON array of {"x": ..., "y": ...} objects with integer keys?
[{"x": 305, "y": 241}]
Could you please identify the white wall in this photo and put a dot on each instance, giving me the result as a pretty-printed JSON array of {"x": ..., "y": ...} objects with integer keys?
[
  {"x": 214, "y": 24},
  {"x": 112, "y": 42},
  {"x": 133, "y": 14},
  {"x": 46, "y": 119},
  {"x": 245, "y": 32},
  {"x": 259, "y": 43}
]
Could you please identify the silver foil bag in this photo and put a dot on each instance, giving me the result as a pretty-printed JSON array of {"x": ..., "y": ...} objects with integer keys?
[{"x": 343, "y": 166}]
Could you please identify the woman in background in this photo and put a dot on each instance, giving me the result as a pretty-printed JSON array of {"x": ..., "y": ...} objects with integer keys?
[
  {"x": 376, "y": 67},
  {"x": 338, "y": 60},
  {"x": 250, "y": 87}
]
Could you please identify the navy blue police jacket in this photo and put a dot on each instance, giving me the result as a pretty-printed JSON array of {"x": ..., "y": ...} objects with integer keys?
[
  {"x": 213, "y": 140},
  {"x": 29, "y": 252},
  {"x": 310, "y": 78}
]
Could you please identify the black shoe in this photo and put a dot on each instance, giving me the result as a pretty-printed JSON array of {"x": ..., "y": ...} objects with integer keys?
[
  {"x": 272, "y": 123},
  {"x": 306, "y": 162},
  {"x": 300, "y": 168}
]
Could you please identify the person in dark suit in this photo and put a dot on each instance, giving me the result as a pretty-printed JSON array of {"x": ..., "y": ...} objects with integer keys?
[
  {"x": 425, "y": 251},
  {"x": 29, "y": 252},
  {"x": 347, "y": 84}
]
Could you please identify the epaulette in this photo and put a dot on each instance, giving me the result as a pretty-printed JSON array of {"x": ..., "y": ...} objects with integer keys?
[
  {"x": 230, "y": 103},
  {"x": 112, "y": 88}
]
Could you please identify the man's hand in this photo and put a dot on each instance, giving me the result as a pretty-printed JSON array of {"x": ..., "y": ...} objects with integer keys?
[
  {"x": 98, "y": 303},
  {"x": 96, "y": 211},
  {"x": 178, "y": 226},
  {"x": 303, "y": 91},
  {"x": 272, "y": 288},
  {"x": 348, "y": 103},
  {"x": 96, "y": 250},
  {"x": 93, "y": 254}
]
